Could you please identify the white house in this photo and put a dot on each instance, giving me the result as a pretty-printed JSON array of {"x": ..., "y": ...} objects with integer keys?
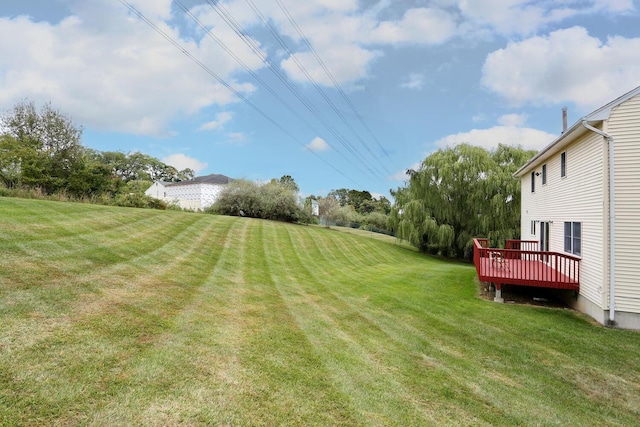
[
  {"x": 195, "y": 194},
  {"x": 581, "y": 196}
]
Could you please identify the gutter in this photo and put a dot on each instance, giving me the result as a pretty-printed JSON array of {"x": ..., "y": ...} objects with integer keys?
[{"x": 612, "y": 224}]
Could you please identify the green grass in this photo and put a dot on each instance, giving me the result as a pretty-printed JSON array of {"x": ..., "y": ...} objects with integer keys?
[{"x": 113, "y": 316}]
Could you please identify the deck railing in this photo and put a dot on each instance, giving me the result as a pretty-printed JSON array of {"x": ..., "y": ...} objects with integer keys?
[
  {"x": 523, "y": 245},
  {"x": 520, "y": 263}
]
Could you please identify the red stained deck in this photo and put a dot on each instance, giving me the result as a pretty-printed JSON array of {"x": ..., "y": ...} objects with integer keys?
[{"x": 521, "y": 264}]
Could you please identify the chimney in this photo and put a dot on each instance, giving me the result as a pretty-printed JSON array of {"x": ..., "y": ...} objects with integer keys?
[{"x": 564, "y": 119}]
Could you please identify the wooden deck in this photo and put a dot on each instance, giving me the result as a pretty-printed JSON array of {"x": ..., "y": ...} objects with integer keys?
[{"x": 525, "y": 267}]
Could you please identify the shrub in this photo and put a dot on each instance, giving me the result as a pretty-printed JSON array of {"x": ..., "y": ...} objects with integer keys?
[
  {"x": 274, "y": 200},
  {"x": 376, "y": 221},
  {"x": 133, "y": 200}
]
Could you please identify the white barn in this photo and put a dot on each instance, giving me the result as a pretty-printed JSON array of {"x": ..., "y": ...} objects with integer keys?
[
  {"x": 581, "y": 196},
  {"x": 196, "y": 194}
]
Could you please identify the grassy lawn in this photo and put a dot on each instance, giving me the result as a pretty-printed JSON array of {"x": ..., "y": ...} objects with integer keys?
[{"x": 113, "y": 316}]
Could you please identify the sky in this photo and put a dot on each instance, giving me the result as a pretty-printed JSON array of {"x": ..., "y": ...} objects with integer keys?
[{"x": 335, "y": 93}]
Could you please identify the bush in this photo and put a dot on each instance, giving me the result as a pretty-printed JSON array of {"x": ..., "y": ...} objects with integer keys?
[
  {"x": 377, "y": 221},
  {"x": 274, "y": 201},
  {"x": 331, "y": 213},
  {"x": 132, "y": 200}
]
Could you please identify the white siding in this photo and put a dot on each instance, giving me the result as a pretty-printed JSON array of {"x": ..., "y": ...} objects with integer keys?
[
  {"x": 624, "y": 125},
  {"x": 186, "y": 196},
  {"x": 157, "y": 190},
  {"x": 193, "y": 196},
  {"x": 578, "y": 197},
  {"x": 209, "y": 194}
]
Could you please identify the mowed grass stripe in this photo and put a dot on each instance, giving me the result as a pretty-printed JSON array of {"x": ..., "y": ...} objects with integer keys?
[
  {"x": 442, "y": 350},
  {"x": 190, "y": 374},
  {"x": 361, "y": 341},
  {"x": 354, "y": 360},
  {"x": 286, "y": 377},
  {"x": 329, "y": 247},
  {"x": 233, "y": 321},
  {"x": 128, "y": 314}
]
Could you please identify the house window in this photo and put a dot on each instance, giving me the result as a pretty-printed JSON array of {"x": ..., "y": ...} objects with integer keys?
[
  {"x": 573, "y": 238},
  {"x": 544, "y": 174},
  {"x": 533, "y": 228},
  {"x": 533, "y": 182},
  {"x": 563, "y": 164}
]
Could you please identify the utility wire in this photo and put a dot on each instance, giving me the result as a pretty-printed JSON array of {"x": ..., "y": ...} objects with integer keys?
[
  {"x": 310, "y": 77},
  {"x": 322, "y": 93},
  {"x": 330, "y": 75},
  {"x": 259, "y": 53},
  {"x": 224, "y": 83},
  {"x": 233, "y": 24}
]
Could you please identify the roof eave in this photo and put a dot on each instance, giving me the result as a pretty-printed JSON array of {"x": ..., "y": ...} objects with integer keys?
[
  {"x": 563, "y": 140},
  {"x": 599, "y": 115}
]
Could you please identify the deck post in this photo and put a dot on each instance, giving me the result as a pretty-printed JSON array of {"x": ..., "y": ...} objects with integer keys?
[{"x": 498, "y": 297}]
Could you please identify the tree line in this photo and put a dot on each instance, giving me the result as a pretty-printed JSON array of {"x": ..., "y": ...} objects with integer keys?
[
  {"x": 455, "y": 195},
  {"x": 353, "y": 208},
  {"x": 42, "y": 149}
]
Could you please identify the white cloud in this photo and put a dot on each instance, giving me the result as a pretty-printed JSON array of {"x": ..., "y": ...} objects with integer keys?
[
  {"x": 154, "y": 9},
  {"x": 415, "y": 81},
  {"x": 181, "y": 161},
  {"x": 110, "y": 71},
  {"x": 318, "y": 144},
  {"x": 237, "y": 138},
  {"x": 402, "y": 175},
  {"x": 349, "y": 63},
  {"x": 419, "y": 26},
  {"x": 615, "y": 5},
  {"x": 377, "y": 196},
  {"x": 221, "y": 119},
  {"x": 354, "y": 39},
  {"x": 530, "y": 139},
  {"x": 513, "y": 16},
  {"x": 566, "y": 65},
  {"x": 478, "y": 118},
  {"x": 513, "y": 119},
  {"x": 524, "y": 18}
]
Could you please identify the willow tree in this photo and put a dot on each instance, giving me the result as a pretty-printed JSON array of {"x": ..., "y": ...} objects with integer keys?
[{"x": 460, "y": 193}]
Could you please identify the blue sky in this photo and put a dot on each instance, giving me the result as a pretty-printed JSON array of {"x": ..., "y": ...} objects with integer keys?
[{"x": 336, "y": 93}]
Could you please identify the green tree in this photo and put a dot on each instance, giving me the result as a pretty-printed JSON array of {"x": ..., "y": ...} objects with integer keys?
[
  {"x": 341, "y": 196},
  {"x": 289, "y": 182},
  {"x": 91, "y": 176},
  {"x": 10, "y": 161},
  {"x": 138, "y": 166},
  {"x": 49, "y": 145},
  {"x": 460, "y": 193}
]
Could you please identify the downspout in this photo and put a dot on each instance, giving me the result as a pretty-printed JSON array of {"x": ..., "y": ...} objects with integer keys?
[{"x": 612, "y": 224}]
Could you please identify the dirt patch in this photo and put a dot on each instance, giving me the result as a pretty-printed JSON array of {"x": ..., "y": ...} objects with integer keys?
[{"x": 526, "y": 295}]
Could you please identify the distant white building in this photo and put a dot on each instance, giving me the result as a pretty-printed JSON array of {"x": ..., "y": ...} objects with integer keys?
[{"x": 196, "y": 194}]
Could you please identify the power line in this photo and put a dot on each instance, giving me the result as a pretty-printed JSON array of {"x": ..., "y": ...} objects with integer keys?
[
  {"x": 233, "y": 24},
  {"x": 322, "y": 93},
  {"x": 329, "y": 74},
  {"x": 310, "y": 78},
  {"x": 224, "y": 83},
  {"x": 267, "y": 86}
]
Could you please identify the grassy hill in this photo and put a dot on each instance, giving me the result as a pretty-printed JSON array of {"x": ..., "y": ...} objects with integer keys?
[{"x": 115, "y": 316}]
